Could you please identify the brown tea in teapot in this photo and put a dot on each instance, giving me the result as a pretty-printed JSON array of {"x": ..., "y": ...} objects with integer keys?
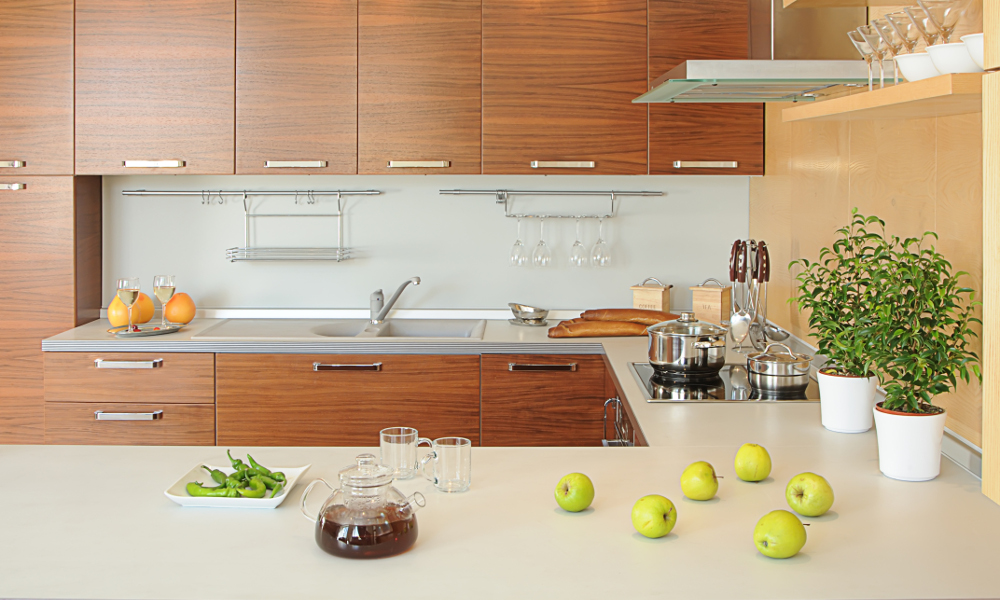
[{"x": 394, "y": 533}]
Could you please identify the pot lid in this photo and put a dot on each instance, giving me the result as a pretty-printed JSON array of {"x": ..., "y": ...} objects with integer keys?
[
  {"x": 778, "y": 362},
  {"x": 367, "y": 473},
  {"x": 686, "y": 325}
]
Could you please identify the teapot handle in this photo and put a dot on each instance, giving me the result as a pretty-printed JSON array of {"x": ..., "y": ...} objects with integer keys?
[{"x": 305, "y": 495}]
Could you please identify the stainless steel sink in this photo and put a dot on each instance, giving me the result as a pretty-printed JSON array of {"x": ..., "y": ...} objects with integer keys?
[
  {"x": 276, "y": 330},
  {"x": 427, "y": 328}
]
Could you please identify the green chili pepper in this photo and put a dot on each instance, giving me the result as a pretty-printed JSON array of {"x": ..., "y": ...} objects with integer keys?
[
  {"x": 277, "y": 476},
  {"x": 195, "y": 489},
  {"x": 277, "y": 489},
  {"x": 217, "y": 475},
  {"x": 233, "y": 482},
  {"x": 258, "y": 467},
  {"x": 237, "y": 463},
  {"x": 257, "y": 489},
  {"x": 270, "y": 483}
]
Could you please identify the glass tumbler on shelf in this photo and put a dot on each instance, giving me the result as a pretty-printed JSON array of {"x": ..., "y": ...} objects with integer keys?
[
  {"x": 163, "y": 289},
  {"x": 879, "y": 49},
  {"x": 865, "y": 49},
  {"x": 128, "y": 293}
]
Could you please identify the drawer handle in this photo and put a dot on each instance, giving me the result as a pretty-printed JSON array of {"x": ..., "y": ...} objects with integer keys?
[
  {"x": 525, "y": 367},
  {"x": 153, "y": 164},
  {"x": 100, "y": 415},
  {"x": 100, "y": 363},
  {"x": 705, "y": 164},
  {"x": 418, "y": 164},
  {"x": 13, "y": 186},
  {"x": 562, "y": 164},
  {"x": 322, "y": 367},
  {"x": 12, "y": 164},
  {"x": 295, "y": 164}
]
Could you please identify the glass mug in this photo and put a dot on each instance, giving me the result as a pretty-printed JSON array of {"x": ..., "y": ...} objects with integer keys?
[
  {"x": 451, "y": 458},
  {"x": 398, "y": 447}
]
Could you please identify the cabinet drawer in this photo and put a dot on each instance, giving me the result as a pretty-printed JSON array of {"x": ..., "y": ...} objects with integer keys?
[
  {"x": 130, "y": 424},
  {"x": 130, "y": 377}
]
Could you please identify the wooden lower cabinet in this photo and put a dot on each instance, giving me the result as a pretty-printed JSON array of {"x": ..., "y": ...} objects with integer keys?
[
  {"x": 282, "y": 400},
  {"x": 129, "y": 424},
  {"x": 173, "y": 378},
  {"x": 543, "y": 400}
]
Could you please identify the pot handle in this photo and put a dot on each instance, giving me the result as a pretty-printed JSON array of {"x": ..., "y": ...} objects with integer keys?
[
  {"x": 720, "y": 343},
  {"x": 305, "y": 495},
  {"x": 787, "y": 349}
]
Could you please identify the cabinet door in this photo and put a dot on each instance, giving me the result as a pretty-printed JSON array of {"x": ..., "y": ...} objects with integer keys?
[
  {"x": 419, "y": 88},
  {"x": 108, "y": 377},
  {"x": 36, "y": 87},
  {"x": 543, "y": 400},
  {"x": 558, "y": 83},
  {"x": 129, "y": 424},
  {"x": 155, "y": 86},
  {"x": 296, "y": 86},
  {"x": 686, "y": 133},
  {"x": 282, "y": 400}
]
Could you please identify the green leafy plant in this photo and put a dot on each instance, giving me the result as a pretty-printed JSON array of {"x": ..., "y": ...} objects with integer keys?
[{"x": 838, "y": 291}]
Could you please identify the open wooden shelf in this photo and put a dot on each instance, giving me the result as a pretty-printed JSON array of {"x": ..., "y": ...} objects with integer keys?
[
  {"x": 840, "y": 3},
  {"x": 940, "y": 96}
]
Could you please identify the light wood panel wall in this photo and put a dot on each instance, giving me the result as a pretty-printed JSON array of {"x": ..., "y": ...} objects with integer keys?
[{"x": 991, "y": 275}]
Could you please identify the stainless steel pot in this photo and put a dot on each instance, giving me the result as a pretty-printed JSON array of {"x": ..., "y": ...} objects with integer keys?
[
  {"x": 784, "y": 364},
  {"x": 687, "y": 346},
  {"x": 779, "y": 384}
]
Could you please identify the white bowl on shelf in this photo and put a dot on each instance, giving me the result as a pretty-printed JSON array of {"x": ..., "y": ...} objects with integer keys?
[
  {"x": 953, "y": 58},
  {"x": 974, "y": 42},
  {"x": 917, "y": 66}
]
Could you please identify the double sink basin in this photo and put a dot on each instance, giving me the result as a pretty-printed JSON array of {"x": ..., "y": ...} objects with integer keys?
[{"x": 318, "y": 329}]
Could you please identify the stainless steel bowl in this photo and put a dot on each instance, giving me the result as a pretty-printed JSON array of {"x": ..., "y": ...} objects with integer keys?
[{"x": 528, "y": 313}]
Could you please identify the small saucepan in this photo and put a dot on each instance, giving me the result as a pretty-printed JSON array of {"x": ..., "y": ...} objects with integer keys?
[{"x": 781, "y": 372}]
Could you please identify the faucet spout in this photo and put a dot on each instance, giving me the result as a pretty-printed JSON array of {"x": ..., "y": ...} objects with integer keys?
[{"x": 380, "y": 316}]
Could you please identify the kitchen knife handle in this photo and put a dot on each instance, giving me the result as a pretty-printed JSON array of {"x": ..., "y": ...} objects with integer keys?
[
  {"x": 101, "y": 363},
  {"x": 765, "y": 263},
  {"x": 563, "y": 164},
  {"x": 741, "y": 271},
  {"x": 12, "y": 164},
  {"x": 100, "y": 415},
  {"x": 326, "y": 367},
  {"x": 13, "y": 186},
  {"x": 153, "y": 164},
  {"x": 534, "y": 367},
  {"x": 733, "y": 260},
  {"x": 294, "y": 164}
]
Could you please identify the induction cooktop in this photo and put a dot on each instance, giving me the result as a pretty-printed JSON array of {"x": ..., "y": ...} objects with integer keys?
[{"x": 732, "y": 385}]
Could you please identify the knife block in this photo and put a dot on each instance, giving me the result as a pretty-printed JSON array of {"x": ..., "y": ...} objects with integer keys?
[{"x": 711, "y": 302}]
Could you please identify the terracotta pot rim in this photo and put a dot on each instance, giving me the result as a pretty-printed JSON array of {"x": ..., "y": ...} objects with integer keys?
[
  {"x": 824, "y": 369},
  {"x": 879, "y": 408}
]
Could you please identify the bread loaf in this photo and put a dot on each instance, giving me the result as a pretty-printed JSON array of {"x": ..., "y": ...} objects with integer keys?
[
  {"x": 633, "y": 315},
  {"x": 596, "y": 329}
]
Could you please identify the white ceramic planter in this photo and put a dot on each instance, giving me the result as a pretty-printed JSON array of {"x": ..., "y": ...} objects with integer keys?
[
  {"x": 845, "y": 403},
  {"x": 909, "y": 446}
]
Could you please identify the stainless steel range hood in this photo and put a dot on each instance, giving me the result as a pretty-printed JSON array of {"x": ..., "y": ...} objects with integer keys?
[{"x": 795, "y": 54}]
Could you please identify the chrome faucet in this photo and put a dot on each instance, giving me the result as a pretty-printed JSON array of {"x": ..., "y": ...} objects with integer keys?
[{"x": 380, "y": 308}]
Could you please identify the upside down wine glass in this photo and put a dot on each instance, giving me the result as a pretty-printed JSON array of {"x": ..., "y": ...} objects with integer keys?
[
  {"x": 578, "y": 254},
  {"x": 518, "y": 253},
  {"x": 542, "y": 256},
  {"x": 128, "y": 293},
  {"x": 600, "y": 255}
]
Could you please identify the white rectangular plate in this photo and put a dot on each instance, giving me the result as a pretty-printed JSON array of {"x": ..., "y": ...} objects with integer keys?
[{"x": 178, "y": 492}]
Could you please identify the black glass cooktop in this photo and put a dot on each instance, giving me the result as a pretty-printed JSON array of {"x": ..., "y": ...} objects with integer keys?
[{"x": 732, "y": 385}]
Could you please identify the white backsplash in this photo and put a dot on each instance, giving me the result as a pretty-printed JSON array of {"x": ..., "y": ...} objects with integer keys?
[{"x": 458, "y": 245}]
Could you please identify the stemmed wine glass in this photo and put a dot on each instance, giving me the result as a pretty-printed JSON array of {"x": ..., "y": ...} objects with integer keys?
[
  {"x": 928, "y": 30},
  {"x": 600, "y": 255},
  {"x": 945, "y": 15},
  {"x": 893, "y": 43},
  {"x": 865, "y": 49},
  {"x": 518, "y": 254},
  {"x": 879, "y": 49},
  {"x": 163, "y": 289},
  {"x": 578, "y": 255},
  {"x": 128, "y": 293},
  {"x": 908, "y": 33},
  {"x": 541, "y": 257}
]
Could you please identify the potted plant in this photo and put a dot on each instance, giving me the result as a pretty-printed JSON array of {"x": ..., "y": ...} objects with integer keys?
[
  {"x": 837, "y": 289},
  {"x": 921, "y": 343}
]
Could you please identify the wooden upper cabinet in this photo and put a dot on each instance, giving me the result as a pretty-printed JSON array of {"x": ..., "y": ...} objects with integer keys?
[
  {"x": 36, "y": 87},
  {"x": 155, "y": 81},
  {"x": 419, "y": 86},
  {"x": 558, "y": 82},
  {"x": 296, "y": 86},
  {"x": 680, "y": 30}
]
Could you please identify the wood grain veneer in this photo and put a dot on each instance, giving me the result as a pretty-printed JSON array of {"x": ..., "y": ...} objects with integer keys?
[
  {"x": 296, "y": 85},
  {"x": 708, "y": 30},
  {"x": 155, "y": 81},
  {"x": 991, "y": 26},
  {"x": 613, "y": 389},
  {"x": 183, "y": 378},
  {"x": 36, "y": 86},
  {"x": 278, "y": 400},
  {"x": 419, "y": 88},
  {"x": 543, "y": 408},
  {"x": 991, "y": 286},
  {"x": 181, "y": 425},
  {"x": 558, "y": 83}
]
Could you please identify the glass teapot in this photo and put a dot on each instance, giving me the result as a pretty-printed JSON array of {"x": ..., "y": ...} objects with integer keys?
[{"x": 366, "y": 517}]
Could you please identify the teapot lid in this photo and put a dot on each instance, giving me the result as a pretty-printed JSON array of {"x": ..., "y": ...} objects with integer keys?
[{"x": 367, "y": 473}]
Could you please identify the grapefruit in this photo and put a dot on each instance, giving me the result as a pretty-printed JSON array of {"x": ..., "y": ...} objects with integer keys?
[
  {"x": 142, "y": 311},
  {"x": 180, "y": 309}
]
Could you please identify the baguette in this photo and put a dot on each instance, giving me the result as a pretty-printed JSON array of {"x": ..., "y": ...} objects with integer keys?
[
  {"x": 597, "y": 329},
  {"x": 633, "y": 315}
]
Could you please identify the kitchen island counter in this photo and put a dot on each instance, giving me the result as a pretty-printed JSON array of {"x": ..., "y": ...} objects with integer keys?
[{"x": 92, "y": 522}]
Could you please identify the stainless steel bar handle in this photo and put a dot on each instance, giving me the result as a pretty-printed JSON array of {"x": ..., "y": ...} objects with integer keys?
[
  {"x": 153, "y": 164},
  {"x": 12, "y": 164},
  {"x": 418, "y": 164},
  {"x": 100, "y": 415},
  {"x": 705, "y": 164},
  {"x": 323, "y": 367},
  {"x": 530, "y": 367},
  {"x": 295, "y": 164},
  {"x": 100, "y": 363},
  {"x": 13, "y": 186},
  {"x": 562, "y": 164}
]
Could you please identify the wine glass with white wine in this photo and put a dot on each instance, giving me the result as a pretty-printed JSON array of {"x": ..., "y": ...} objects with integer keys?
[
  {"x": 128, "y": 293},
  {"x": 163, "y": 289}
]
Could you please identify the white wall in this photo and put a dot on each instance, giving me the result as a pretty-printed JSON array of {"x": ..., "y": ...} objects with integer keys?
[{"x": 458, "y": 245}]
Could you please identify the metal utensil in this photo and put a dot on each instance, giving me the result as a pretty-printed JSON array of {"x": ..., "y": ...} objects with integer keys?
[{"x": 739, "y": 323}]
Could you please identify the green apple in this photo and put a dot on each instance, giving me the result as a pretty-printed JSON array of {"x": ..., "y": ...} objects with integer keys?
[
  {"x": 574, "y": 492},
  {"x": 779, "y": 534},
  {"x": 698, "y": 481},
  {"x": 753, "y": 463},
  {"x": 654, "y": 516},
  {"x": 809, "y": 494}
]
